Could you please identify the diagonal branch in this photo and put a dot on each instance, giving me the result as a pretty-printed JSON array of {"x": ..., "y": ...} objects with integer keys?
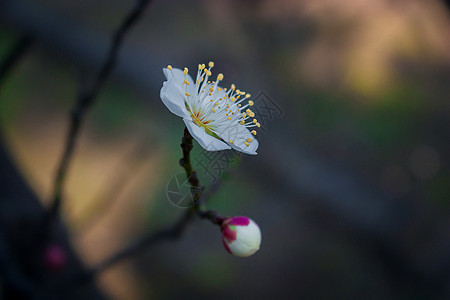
[
  {"x": 86, "y": 99},
  {"x": 175, "y": 230},
  {"x": 17, "y": 51}
]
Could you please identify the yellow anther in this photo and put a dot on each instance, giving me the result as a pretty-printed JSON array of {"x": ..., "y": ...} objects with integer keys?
[
  {"x": 248, "y": 111},
  {"x": 186, "y": 82},
  {"x": 253, "y": 132},
  {"x": 242, "y": 122},
  {"x": 209, "y": 94},
  {"x": 217, "y": 103},
  {"x": 169, "y": 67},
  {"x": 233, "y": 99},
  {"x": 211, "y": 64},
  {"x": 246, "y": 144},
  {"x": 248, "y": 96},
  {"x": 249, "y": 140},
  {"x": 211, "y": 100},
  {"x": 242, "y": 93},
  {"x": 255, "y": 121},
  {"x": 239, "y": 105},
  {"x": 238, "y": 92},
  {"x": 231, "y": 141},
  {"x": 251, "y": 103},
  {"x": 203, "y": 66},
  {"x": 233, "y": 87},
  {"x": 211, "y": 90},
  {"x": 187, "y": 94},
  {"x": 220, "y": 76},
  {"x": 252, "y": 114},
  {"x": 229, "y": 118},
  {"x": 198, "y": 81},
  {"x": 244, "y": 115},
  {"x": 200, "y": 67},
  {"x": 219, "y": 89},
  {"x": 213, "y": 110},
  {"x": 185, "y": 71},
  {"x": 258, "y": 125},
  {"x": 208, "y": 73},
  {"x": 225, "y": 89},
  {"x": 228, "y": 105}
]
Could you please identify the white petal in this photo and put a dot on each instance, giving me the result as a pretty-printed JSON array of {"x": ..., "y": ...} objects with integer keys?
[
  {"x": 173, "y": 92},
  {"x": 250, "y": 234},
  {"x": 239, "y": 134},
  {"x": 205, "y": 140},
  {"x": 241, "y": 249}
]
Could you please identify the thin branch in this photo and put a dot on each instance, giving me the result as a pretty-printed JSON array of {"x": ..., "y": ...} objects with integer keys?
[
  {"x": 17, "y": 51},
  {"x": 179, "y": 227},
  {"x": 86, "y": 99}
]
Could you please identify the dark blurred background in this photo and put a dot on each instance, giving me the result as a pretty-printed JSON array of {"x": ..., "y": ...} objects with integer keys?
[{"x": 351, "y": 184}]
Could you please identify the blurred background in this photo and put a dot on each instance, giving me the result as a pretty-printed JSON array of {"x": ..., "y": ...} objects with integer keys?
[{"x": 351, "y": 183}]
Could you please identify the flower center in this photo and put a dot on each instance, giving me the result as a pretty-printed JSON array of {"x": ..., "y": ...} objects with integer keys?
[{"x": 199, "y": 119}]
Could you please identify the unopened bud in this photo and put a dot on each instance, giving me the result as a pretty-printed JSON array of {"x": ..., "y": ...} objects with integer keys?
[
  {"x": 54, "y": 257},
  {"x": 241, "y": 236}
]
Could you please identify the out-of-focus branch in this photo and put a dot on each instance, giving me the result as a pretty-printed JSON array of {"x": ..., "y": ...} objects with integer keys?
[
  {"x": 87, "y": 97},
  {"x": 17, "y": 51}
]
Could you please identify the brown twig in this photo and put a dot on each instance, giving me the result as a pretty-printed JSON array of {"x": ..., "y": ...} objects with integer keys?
[{"x": 179, "y": 227}]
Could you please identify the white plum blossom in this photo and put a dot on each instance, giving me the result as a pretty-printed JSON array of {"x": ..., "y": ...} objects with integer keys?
[
  {"x": 241, "y": 236},
  {"x": 217, "y": 118}
]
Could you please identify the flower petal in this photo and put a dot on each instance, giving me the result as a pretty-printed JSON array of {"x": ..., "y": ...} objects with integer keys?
[
  {"x": 239, "y": 134},
  {"x": 173, "y": 93},
  {"x": 205, "y": 140}
]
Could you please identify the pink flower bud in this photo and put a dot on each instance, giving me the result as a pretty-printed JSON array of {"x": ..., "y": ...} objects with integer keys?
[
  {"x": 241, "y": 236},
  {"x": 54, "y": 257}
]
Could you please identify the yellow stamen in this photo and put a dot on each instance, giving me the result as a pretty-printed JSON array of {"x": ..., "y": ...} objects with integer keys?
[
  {"x": 246, "y": 144},
  {"x": 185, "y": 71},
  {"x": 253, "y": 132},
  {"x": 211, "y": 64},
  {"x": 220, "y": 76},
  {"x": 248, "y": 96},
  {"x": 251, "y": 103},
  {"x": 231, "y": 141}
]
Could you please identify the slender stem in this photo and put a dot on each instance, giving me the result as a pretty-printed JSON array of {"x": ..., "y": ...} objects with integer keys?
[
  {"x": 86, "y": 99},
  {"x": 177, "y": 229}
]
